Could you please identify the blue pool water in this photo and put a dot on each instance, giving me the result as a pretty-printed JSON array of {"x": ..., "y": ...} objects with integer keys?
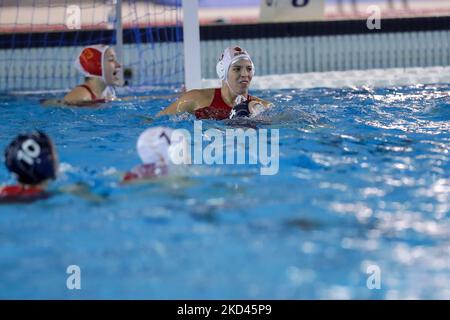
[{"x": 363, "y": 180}]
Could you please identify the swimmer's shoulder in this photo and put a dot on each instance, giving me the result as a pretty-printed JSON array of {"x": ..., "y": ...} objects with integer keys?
[
  {"x": 204, "y": 97},
  {"x": 201, "y": 96},
  {"x": 190, "y": 101},
  {"x": 78, "y": 94},
  {"x": 76, "y": 97}
]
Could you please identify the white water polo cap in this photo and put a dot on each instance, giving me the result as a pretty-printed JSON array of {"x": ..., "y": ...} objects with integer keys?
[
  {"x": 90, "y": 61},
  {"x": 229, "y": 56},
  {"x": 163, "y": 145}
]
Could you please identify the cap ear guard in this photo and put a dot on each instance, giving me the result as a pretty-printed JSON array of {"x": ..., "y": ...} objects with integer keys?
[{"x": 220, "y": 69}]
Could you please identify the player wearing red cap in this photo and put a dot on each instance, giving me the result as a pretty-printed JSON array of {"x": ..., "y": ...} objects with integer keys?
[{"x": 101, "y": 69}]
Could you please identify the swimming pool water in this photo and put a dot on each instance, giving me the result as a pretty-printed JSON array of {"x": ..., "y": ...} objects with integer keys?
[{"x": 363, "y": 180}]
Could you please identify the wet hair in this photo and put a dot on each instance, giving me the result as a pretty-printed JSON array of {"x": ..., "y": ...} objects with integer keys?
[{"x": 31, "y": 157}]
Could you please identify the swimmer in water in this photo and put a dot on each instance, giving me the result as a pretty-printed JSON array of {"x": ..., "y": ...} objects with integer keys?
[
  {"x": 157, "y": 148},
  {"x": 102, "y": 74},
  {"x": 32, "y": 158},
  {"x": 235, "y": 68}
]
